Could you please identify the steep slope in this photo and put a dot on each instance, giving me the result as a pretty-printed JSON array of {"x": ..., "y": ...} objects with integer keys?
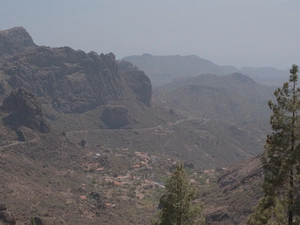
[
  {"x": 238, "y": 190},
  {"x": 163, "y": 69},
  {"x": 234, "y": 97}
]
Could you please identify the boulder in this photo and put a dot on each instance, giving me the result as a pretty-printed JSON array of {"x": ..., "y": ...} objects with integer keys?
[{"x": 116, "y": 116}]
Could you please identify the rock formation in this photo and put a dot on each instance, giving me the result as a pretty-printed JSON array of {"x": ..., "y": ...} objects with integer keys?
[
  {"x": 25, "y": 110},
  {"x": 74, "y": 82}
]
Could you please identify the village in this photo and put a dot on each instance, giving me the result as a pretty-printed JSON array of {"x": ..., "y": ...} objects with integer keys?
[{"x": 140, "y": 181}]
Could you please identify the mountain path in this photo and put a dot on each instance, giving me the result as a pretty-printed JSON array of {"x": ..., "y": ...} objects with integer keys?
[{"x": 158, "y": 127}]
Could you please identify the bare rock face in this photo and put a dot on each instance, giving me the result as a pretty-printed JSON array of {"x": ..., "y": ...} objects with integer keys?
[
  {"x": 14, "y": 41},
  {"x": 73, "y": 81},
  {"x": 25, "y": 110},
  {"x": 115, "y": 117},
  {"x": 6, "y": 217}
]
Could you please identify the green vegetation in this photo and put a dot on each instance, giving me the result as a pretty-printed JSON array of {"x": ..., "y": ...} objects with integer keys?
[
  {"x": 281, "y": 162},
  {"x": 176, "y": 202},
  {"x": 32, "y": 221}
]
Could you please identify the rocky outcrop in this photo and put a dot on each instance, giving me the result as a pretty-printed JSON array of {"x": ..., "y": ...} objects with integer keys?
[
  {"x": 73, "y": 81},
  {"x": 69, "y": 80},
  {"x": 115, "y": 117},
  {"x": 14, "y": 41},
  {"x": 6, "y": 217},
  {"x": 25, "y": 110}
]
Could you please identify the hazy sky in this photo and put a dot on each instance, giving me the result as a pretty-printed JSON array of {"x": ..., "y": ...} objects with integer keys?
[{"x": 227, "y": 32}]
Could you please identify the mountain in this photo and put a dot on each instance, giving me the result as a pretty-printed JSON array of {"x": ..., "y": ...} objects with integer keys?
[
  {"x": 163, "y": 69},
  {"x": 73, "y": 81}
]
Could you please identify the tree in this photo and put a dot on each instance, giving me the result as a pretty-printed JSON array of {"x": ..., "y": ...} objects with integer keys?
[
  {"x": 281, "y": 161},
  {"x": 176, "y": 202}
]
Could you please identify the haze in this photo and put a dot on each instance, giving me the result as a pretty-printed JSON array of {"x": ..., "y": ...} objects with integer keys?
[{"x": 234, "y": 32}]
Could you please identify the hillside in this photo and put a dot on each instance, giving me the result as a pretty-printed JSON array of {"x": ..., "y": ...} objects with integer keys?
[
  {"x": 237, "y": 191},
  {"x": 233, "y": 97}
]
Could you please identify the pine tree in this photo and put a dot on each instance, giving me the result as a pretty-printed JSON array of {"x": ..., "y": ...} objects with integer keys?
[
  {"x": 176, "y": 202},
  {"x": 281, "y": 156}
]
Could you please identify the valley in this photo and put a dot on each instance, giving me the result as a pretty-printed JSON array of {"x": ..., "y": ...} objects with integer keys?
[{"x": 85, "y": 139}]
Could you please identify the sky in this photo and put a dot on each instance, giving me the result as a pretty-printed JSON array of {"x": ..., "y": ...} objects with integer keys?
[{"x": 257, "y": 33}]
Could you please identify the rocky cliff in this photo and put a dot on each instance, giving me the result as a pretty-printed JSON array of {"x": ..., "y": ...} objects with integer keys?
[{"x": 73, "y": 81}]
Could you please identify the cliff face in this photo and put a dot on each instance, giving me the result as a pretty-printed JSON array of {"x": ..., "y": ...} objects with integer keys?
[
  {"x": 137, "y": 81},
  {"x": 73, "y": 81}
]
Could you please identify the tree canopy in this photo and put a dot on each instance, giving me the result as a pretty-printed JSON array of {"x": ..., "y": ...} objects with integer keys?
[
  {"x": 176, "y": 202},
  {"x": 281, "y": 159}
]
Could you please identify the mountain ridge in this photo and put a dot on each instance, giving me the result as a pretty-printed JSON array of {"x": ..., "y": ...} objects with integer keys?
[{"x": 164, "y": 69}]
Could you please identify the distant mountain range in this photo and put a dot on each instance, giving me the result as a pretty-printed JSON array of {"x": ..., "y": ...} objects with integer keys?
[
  {"x": 266, "y": 75},
  {"x": 163, "y": 69}
]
